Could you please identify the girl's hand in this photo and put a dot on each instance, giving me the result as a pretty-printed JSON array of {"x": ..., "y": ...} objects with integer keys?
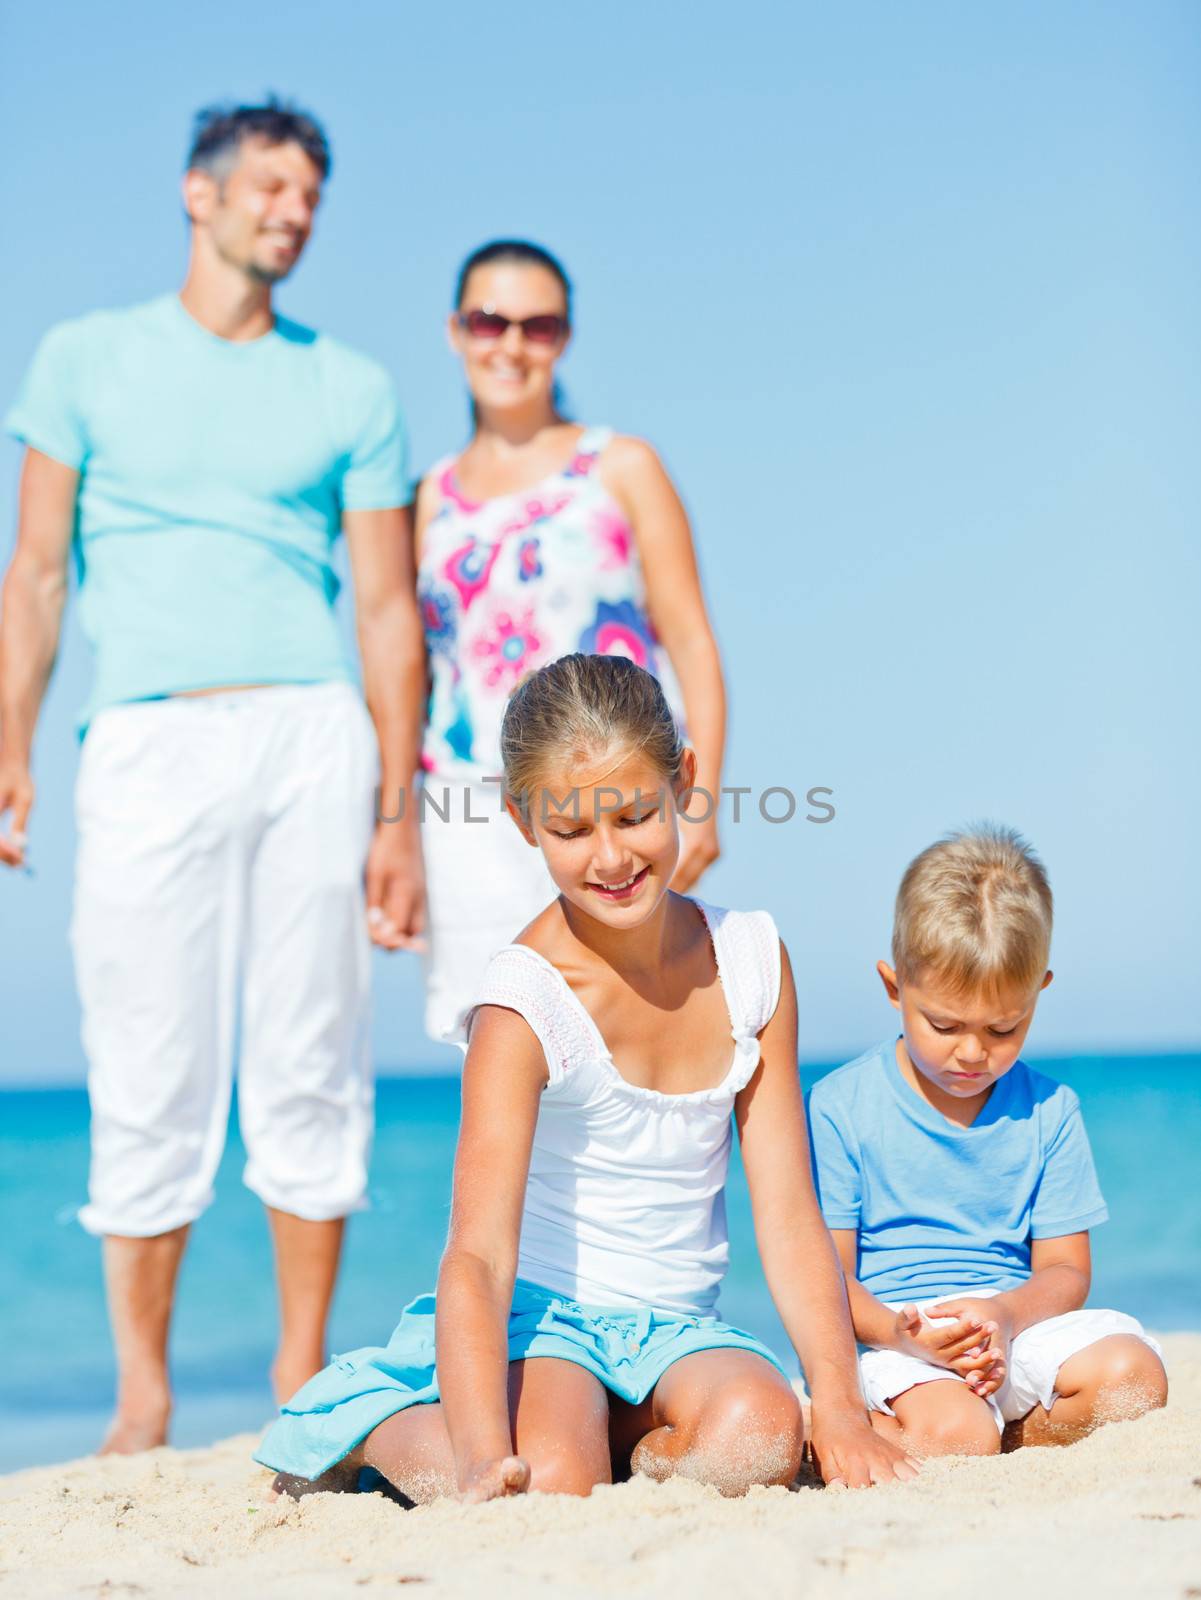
[
  {"x": 495, "y": 1480},
  {"x": 848, "y": 1451}
]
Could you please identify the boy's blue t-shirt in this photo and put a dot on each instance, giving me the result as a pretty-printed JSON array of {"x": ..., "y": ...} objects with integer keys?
[
  {"x": 943, "y": 1210},
  {"x": 213, "y": 477}
]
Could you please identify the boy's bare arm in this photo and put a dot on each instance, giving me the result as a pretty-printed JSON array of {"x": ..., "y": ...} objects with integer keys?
[
  {"x": 962, "y": 1345},
  {"x": 31, "y": 610},
  {"x": 1060, "y": 1274}
]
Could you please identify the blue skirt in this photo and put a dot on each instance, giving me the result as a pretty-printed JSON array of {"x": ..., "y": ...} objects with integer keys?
[{"x": 628, "y": 1351}]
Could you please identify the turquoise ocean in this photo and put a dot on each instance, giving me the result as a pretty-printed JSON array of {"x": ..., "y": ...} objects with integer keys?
[{"x": 1143, "y": 1116}]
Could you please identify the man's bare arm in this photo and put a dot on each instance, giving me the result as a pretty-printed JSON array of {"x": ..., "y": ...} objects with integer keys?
[
  {"x": 31, "y": 611},
  {"x": 392, "y": 648}
]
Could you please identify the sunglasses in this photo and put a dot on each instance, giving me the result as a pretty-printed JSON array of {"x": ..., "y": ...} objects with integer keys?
[{"x": 548, "y": 327}]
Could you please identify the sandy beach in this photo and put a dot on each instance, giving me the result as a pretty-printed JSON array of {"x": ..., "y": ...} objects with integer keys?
[{"x": 1116, "y": 1514}]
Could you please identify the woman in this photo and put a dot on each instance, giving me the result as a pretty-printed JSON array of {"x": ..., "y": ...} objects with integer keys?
[{"x": 541, "y": 538}]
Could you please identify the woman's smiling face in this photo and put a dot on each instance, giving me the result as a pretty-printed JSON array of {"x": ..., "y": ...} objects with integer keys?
[
  {"x": 608, "y": 829},
  {"x": 511, "y": 371}
]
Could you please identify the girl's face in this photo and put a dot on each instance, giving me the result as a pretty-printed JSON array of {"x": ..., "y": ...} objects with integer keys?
[
  {"x": 610, "y": 834},
  {"x": 514, "y": 370}
]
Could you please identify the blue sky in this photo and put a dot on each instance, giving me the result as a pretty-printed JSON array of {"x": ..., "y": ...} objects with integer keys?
[{"x": 907, "y": 298}]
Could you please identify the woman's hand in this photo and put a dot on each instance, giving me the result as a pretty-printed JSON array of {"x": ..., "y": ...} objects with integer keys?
[
  {"x": 495, "y": 1480},
  {"x": 848, "y": 1451},
  {"x": 699, "y": 849}
]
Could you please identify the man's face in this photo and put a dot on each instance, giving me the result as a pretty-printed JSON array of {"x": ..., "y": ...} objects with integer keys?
[{"x": 258, "y": 213}]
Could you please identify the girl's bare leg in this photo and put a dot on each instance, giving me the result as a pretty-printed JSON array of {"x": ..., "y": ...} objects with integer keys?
[
  {"x": 1114, "y": 1380},
  {"x": 723, "y": 1417},
  {"x": 944, "y": 1418},
  {"x": 560, "y": 1418}
]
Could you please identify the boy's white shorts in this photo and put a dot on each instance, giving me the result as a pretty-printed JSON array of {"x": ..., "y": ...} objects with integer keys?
[
  {"x": 219, "y": 896},
  {"x": 1035, "y": 1357},
  {"x": 484, "y": 884}
]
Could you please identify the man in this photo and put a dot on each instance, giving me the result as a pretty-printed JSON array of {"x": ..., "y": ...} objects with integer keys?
[{"x": 200, "y": 454}]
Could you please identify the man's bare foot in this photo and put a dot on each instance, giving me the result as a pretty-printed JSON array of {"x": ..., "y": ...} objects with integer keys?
[
  {"x": 495, "y": 1480},
  {"x": 132, "y": 1431}
]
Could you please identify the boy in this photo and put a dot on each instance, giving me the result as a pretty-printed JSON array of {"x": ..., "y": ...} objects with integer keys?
[{"x": 959, "y": 1185}]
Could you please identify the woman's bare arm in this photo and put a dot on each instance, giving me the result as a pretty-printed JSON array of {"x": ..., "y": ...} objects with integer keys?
[
  {"x": 636, "y": 477},
  {"x": 799, "y": 1260},
  {"x": 503, "y": 1078}
]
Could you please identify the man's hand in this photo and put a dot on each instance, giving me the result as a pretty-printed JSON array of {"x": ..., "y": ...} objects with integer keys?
[
  {"x": 396, "y": 888},
  {"x": 16, "y": 802},
  {"x": 848, "y": 1451}
]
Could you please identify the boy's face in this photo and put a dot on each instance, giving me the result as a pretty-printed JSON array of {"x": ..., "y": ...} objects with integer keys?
[{"x": 960, "y": 1044}]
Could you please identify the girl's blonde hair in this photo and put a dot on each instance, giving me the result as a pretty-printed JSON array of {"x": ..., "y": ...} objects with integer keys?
[
  {"x": 578, "y": 708},
  {"x": 974, "y": 912}
]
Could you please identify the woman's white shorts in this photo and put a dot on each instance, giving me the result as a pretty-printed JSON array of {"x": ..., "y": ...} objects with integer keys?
[
  {"x": 219, "y": 897},
  {"x": 484, "y": 884},
  {"x": 1035, "y": 1357}
]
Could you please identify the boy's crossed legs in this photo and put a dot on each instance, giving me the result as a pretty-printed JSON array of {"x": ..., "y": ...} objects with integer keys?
[
  {"x": 724, "y": 1417},
  {"x": 1112, "y": 1378}
]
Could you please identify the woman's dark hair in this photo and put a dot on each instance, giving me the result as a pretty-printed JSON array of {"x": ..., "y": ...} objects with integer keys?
[
  {"x": 220, "y": 130},
  {"x": 527, "y": 254},
  {"x": 520, "y": 251}
]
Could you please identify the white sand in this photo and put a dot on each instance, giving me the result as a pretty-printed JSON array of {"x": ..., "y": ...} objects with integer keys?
[{"x": 1117, "y": 1515}]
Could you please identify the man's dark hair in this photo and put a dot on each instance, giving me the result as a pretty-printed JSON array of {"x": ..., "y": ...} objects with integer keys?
[{"x": 219, "y": 130}]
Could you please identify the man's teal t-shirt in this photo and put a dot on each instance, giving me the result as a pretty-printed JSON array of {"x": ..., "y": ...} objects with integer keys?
[
  {"x": 213, "y": 479},
  {"x": 940, "y": 1209}
]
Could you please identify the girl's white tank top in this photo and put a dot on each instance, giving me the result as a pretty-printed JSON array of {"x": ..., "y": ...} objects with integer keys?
[{"x": 625, "y": 1204}]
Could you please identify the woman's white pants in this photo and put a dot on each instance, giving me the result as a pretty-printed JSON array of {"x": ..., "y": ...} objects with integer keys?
[{"x": 484, "y": 883}]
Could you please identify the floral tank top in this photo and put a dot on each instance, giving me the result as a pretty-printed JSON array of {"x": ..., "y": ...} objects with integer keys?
[{"x": 510, "y": 583}]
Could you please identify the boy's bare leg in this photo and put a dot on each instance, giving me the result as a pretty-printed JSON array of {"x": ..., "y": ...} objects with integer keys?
[
  {"x": 944, "y": 1418},
  {"x": 560, "y": 1418},
  {"x": 139, "y": 1281},
  {"x": 1115, "y": 1380},
  {"x": 723, "y": 1417},
  {"x": 306, "y": 1270}
]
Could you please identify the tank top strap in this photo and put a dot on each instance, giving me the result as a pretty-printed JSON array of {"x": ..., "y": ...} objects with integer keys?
[
  {"x": 592, "y": 445},
  {"x": 747, "y": 947},
  {"x": 521, "y": 980}
]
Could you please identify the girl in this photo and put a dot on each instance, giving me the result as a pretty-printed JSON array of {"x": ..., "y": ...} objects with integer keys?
[
  {"x": 543, "y": 537},
  {"x": 574, "y": 1336}
]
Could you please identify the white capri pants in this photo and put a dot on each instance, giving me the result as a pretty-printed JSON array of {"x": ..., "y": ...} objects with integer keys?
[
  {"x": 219, "y": 897},
  {"x": 1035, "y": 1357},
  {"x": 484, "y": 884}
]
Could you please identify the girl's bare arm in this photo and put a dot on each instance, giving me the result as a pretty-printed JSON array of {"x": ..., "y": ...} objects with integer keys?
[
  {"x": 799, "y": 1260},
  {"x": 503, "y": 1077}
]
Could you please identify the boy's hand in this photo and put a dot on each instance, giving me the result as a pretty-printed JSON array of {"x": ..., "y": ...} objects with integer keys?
[
  {"x": 495, "y": 1480},
  {"x": 848, "y": 1451},
  {"x": 962, "y": 1339},
  {"x": 985, "y": 1367}
]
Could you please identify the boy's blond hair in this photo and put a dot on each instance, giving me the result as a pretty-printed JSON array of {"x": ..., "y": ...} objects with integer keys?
[{"x": 974, "y": 912}]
